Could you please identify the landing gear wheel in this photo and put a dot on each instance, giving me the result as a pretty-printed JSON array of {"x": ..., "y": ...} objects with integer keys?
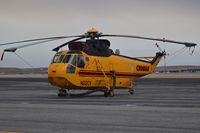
[
  {"x": 105, "y": 94},
  {"x": 131, "y": 91},
  {"x": 62, "y": 93},
  {"x": 109, "y": 93},
  {"x": 132, "y": 88}
]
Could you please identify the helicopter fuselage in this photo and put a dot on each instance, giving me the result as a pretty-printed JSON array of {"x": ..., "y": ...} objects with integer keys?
[{"x": 78, "y": 70}]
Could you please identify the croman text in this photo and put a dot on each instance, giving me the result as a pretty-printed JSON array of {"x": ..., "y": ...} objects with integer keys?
[{"x": 142, "y": 68}]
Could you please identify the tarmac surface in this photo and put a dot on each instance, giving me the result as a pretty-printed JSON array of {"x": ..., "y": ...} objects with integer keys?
[{"x": 158, "y": 106}]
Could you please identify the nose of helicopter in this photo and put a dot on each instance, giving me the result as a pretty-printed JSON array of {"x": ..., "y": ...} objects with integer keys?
[{"x": 57, "y": 75}]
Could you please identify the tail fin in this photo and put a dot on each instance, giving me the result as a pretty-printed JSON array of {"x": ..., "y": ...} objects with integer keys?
[{"x": 157, "y": 59}]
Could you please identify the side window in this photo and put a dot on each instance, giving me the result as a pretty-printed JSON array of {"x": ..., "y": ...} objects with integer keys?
[
  {"x": 80, "y": 63},
  {"x": 66, "y": 58},
  {"x": 70, "y": 59},
  {"x": 73, "y": 60},
  {"x": 70, "y": 69},
  {"x": 87, "y": 59}
]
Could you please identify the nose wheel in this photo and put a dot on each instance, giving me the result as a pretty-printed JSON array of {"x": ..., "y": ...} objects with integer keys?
[{"x": 62, "y": 92}]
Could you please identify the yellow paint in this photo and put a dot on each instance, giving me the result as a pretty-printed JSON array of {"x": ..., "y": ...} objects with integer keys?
[{"x": 98, "y": 72}]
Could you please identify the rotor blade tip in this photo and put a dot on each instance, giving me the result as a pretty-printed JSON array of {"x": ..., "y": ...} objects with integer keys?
[
  {"x": 190, "y": 44},
  {"x": 10, "y": 50}
]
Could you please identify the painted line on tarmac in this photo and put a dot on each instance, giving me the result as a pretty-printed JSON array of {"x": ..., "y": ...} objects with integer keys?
[{"x": 10, "y": 132}]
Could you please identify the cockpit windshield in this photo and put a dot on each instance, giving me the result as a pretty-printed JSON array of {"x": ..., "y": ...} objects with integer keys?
[
  {"x": 75, "y": 60},
  {"x": 57, "y": 58}
]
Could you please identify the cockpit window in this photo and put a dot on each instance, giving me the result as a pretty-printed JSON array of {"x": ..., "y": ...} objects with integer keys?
[
  {"x": 61, "y": 58},
  {"x": 73, "y": 60},
  {"x": 80, "y": 61},
  {"x": 66, "y": 58},
  {"x": 70, "y": 59},
  {"x": 57, "y": 58},
  {"x": 76, "y": 60}
]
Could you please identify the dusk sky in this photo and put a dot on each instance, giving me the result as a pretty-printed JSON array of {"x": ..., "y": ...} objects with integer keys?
[{"x": 171, "y": 19}]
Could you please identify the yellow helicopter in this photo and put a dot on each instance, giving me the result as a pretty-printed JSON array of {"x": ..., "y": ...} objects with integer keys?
[{"x": 91, "y": 65}]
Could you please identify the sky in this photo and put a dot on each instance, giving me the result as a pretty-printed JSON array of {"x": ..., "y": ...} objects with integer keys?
[{"x": 172, "y": 19}]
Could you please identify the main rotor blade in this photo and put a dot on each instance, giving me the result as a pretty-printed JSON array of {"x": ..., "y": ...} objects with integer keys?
[
  {"x": 39, "y": 39},
  {"x": 76, "y": 39},
  {"x": 13, "y": 49},
  {"x": 187, "y": 44}
]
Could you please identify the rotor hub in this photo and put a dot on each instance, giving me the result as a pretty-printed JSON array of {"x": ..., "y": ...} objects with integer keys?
[
  {"x": 93, "y": 30},
  {"x": 93, "y": 33}
]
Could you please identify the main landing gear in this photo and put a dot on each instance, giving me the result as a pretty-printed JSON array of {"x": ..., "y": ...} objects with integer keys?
[
  {"x": 131, "y": 90},
  {"x": 109, "y": 93},
  {"x": 64, "y": 92}
]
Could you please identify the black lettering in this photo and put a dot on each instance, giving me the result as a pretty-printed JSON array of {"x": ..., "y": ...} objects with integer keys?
[
  {"x": 142, "y": 68},
  {"x": 85, "y": 83}
]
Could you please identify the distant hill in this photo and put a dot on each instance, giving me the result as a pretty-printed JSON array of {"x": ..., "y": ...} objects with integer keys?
[
  {"x": 43, "y": 70},
  {"x": 23, "y": 70},
  {"x": 174, "y": 69}
]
